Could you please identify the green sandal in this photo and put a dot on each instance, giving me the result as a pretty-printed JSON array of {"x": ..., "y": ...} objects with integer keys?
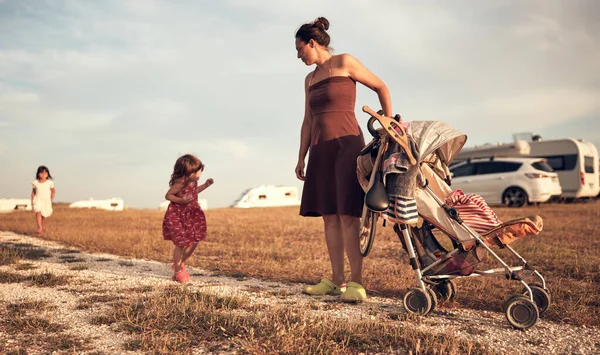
[
  {"x": 325, "y": 287},
  {"x": 354, "y": 293}
]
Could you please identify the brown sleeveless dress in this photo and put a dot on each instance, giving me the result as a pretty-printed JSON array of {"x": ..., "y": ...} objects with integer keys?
[{"x": 331, "y": 185}]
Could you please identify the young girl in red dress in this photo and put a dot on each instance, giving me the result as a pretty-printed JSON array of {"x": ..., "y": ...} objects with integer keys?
[{"x": 184, "y": 223}]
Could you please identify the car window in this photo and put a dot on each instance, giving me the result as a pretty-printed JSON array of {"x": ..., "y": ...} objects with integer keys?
[
  {"x": 562, "y": 162},
  {"x": 543, "y": 166},
  {"x": 494, "y": 167},
  {"x": 589, "y": 165},
  {"x": 463, "y": 170}
]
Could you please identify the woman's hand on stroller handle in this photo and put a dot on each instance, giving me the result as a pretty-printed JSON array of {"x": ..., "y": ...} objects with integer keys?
[
  {"x": 393, "y": 128},
  {"x": 373, "y": 118}
]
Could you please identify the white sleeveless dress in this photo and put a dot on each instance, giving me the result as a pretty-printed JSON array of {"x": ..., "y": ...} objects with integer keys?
[{"x": 42, "y": 202}]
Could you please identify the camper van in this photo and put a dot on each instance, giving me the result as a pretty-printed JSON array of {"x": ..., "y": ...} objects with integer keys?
[
  {"x": 518, "y": 148},
  {"x": 574, "y": 160},
  {"x": 576, "y": 163},
  {"x": 268, "y": 196},
  {"x": 11, "y": 204},
  {"x": 113, "y": 204}
]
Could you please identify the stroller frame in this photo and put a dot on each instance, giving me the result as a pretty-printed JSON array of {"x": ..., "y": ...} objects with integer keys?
[{"x": 522, "y": 310}]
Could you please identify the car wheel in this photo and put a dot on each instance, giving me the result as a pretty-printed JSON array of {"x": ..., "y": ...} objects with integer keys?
[{"x": 514, "y": 197}]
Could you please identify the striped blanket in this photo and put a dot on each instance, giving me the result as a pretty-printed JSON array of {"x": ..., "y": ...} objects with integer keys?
[
  {"x": 401, "y": 210},
  {"x": 474, "y": 211}
]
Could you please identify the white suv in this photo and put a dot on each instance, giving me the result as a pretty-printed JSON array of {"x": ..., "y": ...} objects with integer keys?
[{"x": 509, "y": 181}]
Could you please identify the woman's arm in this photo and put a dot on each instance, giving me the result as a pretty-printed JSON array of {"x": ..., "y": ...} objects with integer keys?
[
  {"x": 357, "y": 71},
  {"x": 305, "y": 132},
  {"x": 175, "y": 189}
]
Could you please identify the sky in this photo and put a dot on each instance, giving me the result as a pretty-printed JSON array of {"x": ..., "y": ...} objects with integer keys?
[{"x": 108, "y": 94}]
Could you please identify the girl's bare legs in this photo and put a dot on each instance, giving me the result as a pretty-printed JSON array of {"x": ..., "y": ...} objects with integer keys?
[
  {"x": 178, "y": 253},
  {"x": 335, "y": 247},
  {"x": 38, "y": 218},
  {"x": 187, "y": 252},
  {"x": 350, "y": 227}
]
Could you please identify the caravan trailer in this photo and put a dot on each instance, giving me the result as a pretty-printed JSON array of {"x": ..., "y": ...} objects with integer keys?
[
  {"x": 113, "y": 204},
  {"x": 576, "y": 163},
  {"x": 518, "y": 148},
  {"x": 574, "y": 160},
  {"x": 12, "y": 204},
  {"x": 268, "y": 196}
]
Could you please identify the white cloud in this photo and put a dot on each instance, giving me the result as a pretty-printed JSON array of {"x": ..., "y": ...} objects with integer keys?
[
  {"x": 19, "y": 98},
  {"x": 531, "y": 111},
  {"x": 32, "y": 111},
  {"x": 236, "y": 148},
  {"x": 539, "y": 26},
  {"x": 165, "y": 106}
]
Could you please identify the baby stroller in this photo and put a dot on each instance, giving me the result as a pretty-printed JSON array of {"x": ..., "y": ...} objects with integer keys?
[{"x": 441, "y": 246}]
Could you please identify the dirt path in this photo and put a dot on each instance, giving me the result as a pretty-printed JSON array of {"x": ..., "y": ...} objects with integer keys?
[{"x": 101, "y": 275}]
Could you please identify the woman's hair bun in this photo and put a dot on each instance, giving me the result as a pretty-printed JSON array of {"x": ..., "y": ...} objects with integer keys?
[{"x": 322, "y": 23}]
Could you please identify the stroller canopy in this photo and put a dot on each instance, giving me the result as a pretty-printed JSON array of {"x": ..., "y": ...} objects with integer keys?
[{"x": 436, "y": 137}]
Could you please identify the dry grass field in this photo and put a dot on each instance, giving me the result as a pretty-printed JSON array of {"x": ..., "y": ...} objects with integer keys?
[{"x": 275, "y": 244}]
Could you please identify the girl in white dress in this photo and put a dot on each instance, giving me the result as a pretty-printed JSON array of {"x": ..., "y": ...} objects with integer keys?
[{"x": 42, "y": 196}]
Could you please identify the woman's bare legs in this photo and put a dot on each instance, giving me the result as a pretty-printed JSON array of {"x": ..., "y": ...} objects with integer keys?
[
  {"x": 341, "y": 234},
  {"x": 350, "y": 227},
  {"x": 335, "y": 247}
]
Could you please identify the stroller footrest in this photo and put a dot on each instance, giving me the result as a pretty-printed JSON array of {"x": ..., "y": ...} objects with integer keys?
[{"x": 510, "y": 231}]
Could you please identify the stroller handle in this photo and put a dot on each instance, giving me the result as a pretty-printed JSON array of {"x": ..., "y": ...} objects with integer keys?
[
  {"x": 393, "y": 128},
  {"x": 372, "y": 121},
  {"x": 373, "y": 118}
]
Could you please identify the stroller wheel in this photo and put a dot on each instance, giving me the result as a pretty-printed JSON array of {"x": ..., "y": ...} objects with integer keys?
[
  {"x": 417, "y": 301},
  {"x": 521, "y": 312},
  {"x": 453, "y": 287},
  {"x": 514, "y": 295},
  {"x": 444, "y": 291},
  {"x": 367, "y": 233},
  {"x": 541, "y": 297},
  {"x": 434, "y": 299}
]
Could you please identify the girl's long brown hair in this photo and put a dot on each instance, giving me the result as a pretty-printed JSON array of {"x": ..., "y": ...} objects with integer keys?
[{"x": 185, "y": 166}]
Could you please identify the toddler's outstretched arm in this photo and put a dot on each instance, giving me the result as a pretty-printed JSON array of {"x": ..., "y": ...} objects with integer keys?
[
  {"x": 175, "y": 189},
  {"x": 204, "y": 186}
]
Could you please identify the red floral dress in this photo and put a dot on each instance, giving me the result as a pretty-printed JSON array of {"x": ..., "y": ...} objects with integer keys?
[{"x": 185, "y": 224}]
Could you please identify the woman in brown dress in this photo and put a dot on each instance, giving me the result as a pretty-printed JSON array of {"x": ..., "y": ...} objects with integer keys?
[{"x": 332, "y": 133}]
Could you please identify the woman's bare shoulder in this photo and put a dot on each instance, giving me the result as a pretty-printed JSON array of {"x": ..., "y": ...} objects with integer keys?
[
  {"x": 345, "y": 59},
  {"x": 308, "y": 77}
]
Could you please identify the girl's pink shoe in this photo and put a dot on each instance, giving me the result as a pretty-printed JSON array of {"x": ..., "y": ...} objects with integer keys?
[{"x": 182, "y": 276}]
